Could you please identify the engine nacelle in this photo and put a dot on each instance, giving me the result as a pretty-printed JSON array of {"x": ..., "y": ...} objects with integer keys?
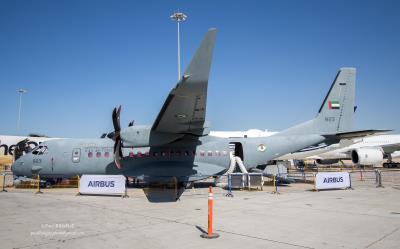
[
  {"x": 327, "y": 161},
  {"x": 367, "y": 156},
  {"x": 143, "y": 136}
]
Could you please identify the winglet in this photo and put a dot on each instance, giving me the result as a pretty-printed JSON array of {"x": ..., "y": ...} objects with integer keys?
[{"x": 199, "y": 68}]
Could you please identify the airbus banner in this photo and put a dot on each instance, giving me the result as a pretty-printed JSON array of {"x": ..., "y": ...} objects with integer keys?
[
  {"x": 102, "y": 184},
  {"x": 332, "y": 180}
]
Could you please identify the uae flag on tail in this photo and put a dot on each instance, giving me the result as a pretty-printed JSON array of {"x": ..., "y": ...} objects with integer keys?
[{"x": 333, "y": 105}]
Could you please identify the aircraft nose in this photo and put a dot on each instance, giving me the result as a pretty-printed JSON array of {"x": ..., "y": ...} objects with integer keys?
[{"x": 18, "y": 166}]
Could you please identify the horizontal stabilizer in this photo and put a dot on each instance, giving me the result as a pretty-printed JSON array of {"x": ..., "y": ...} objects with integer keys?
[{"x": 355, "y": 134}]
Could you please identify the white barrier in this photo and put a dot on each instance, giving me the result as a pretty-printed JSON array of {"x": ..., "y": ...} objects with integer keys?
[
  {"x": 332, "y": 180},
  {"x": 102, "y": 184}
]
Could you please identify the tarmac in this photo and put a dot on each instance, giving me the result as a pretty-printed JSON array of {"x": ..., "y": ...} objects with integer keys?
[{"x": 366, "y": 217}]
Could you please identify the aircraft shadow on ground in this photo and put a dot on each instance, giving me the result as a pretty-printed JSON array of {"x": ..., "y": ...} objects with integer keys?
[{"x": 158, "y": 195}]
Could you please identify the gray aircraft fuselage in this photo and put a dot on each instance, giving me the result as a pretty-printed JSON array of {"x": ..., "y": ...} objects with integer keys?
[{"x": 205, "y": 157}]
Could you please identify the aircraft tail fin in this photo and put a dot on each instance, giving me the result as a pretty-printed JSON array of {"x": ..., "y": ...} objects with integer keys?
[{"x": 337, "y": 109}]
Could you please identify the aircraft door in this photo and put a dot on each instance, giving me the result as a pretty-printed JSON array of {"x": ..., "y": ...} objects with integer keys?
[
  {"x": 237, "y": 149},
  {"x": 76, "y": 155}
]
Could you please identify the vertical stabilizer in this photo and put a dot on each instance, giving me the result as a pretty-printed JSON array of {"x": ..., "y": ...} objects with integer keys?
[{"x": 336, "y": 111}]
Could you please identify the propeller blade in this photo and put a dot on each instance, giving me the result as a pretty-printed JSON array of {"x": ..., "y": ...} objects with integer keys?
[
  {"x": 119, "y": 110},
  {"x": 115, "y": 119},
  {"x": 117, "y": 153},
  {"x": 120, "y": 151},
  {"x": 116, "y": 136},
  {"x": 115, "y": 145}
]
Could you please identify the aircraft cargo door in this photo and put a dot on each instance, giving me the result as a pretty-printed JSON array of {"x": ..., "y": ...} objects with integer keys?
[{"x": 76, "y": 155}]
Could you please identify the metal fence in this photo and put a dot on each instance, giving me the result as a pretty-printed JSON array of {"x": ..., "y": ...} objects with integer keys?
[
  {"x": 32, "y": 183},
  {"x": 359, "y": 177},
  {"x": 363, "y": 178},
  {"x": 391, "y": 177}
]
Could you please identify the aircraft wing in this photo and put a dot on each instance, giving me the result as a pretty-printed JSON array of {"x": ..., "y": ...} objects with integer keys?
[
  {"x": 184, "y": 110},
  {"x": 390, "y": 148}
]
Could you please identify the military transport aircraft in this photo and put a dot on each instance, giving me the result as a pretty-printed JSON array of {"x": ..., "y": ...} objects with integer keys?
[{"x": 177, "y": 144}]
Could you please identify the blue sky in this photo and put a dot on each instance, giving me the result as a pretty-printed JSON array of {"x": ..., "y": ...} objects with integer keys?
[{"x": 273, "y": 63}]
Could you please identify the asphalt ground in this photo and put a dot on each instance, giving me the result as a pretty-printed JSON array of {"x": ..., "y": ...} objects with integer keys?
[{"x": 366, "y": 217}]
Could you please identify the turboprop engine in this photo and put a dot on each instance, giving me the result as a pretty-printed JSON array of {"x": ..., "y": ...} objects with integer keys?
[
  {"x": 135, "y": 136},
  {"x": 367, "y": 156}
]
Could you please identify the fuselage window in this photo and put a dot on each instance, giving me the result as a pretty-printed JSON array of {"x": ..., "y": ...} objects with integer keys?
[
  {"x": 131, "y": 154},
  {"x": 155, "y": 154},
  {"x": 98, "y": 154},
  {"x": 194, "y": 153},
  {"x": 209, "y": 153},
  {"x": 224, "y": 153},
  {"x": 202, "y": 153},
  {"x": 106, "y": 154},
  {"x": 163, "y": 153},
  {"x": 217, "y": 153},
  {"x": 147, "y": 154},
  {"x": 90, "y": 154},
  {"x": 139, "y": 154},
  {"x": 186, "y": 153}
]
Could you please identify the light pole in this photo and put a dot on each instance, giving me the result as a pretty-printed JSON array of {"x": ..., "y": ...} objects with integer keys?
[
  {"x": 20, "y": 91},
  {"x": 178, "y": 17}
]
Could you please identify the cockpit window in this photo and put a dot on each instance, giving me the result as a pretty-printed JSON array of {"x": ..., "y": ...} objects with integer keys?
[
  {"x": 40, "y": 150},
  {"x": 34, "y": 149}
]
